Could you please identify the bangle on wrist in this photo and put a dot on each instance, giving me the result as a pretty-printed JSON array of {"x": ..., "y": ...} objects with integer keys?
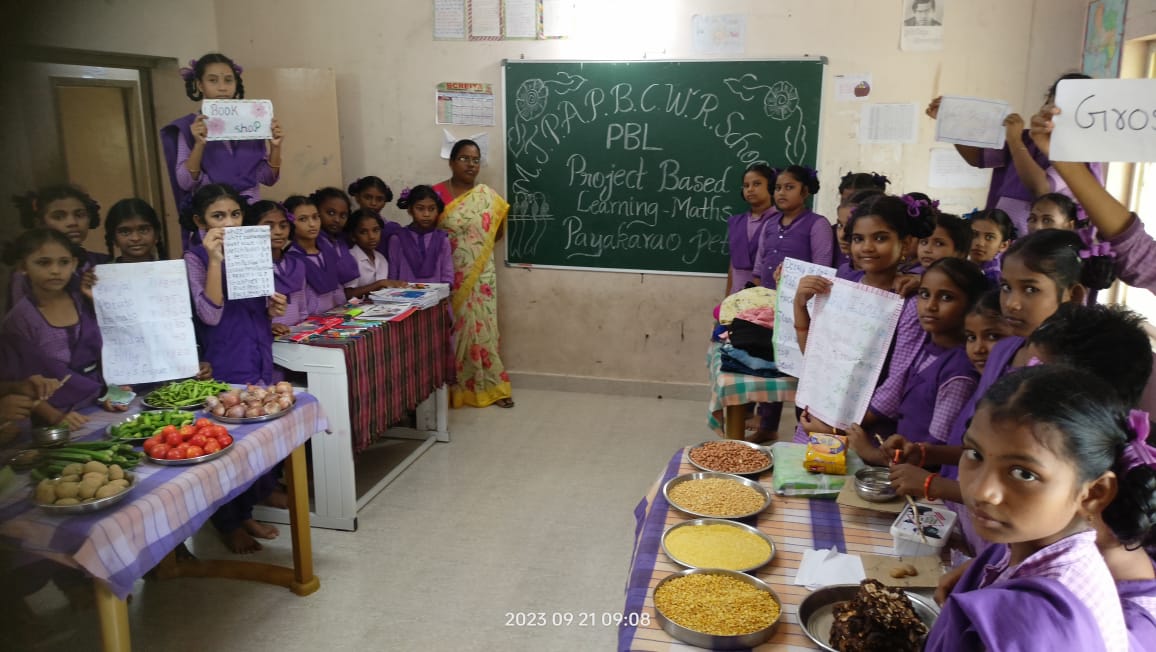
[
  {"x": 922, "y": 454},
  {"x": 927, "y": 487}
]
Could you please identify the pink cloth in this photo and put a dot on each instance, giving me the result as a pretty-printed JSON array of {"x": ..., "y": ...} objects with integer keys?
[{"x": 762, "y": 316}]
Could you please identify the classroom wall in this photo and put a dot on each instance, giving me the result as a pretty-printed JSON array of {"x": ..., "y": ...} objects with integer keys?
[{"x": 632, "y": 326}]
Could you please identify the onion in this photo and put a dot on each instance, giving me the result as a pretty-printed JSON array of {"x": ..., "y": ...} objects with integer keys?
[
  {"x": 219, "y": 411},
  {"x": 229, "y": 399},
  {"x": 259, "y": 394},
  {"x": 235, "y": 412},
  {"x": 254, "y": 412},
  {"x": 272, "y": 407},
  {"x": 212, "y": 402},
  {"x": 245, "y": 396},
  {"x": 252, "y": 403},
  {"x": 284, "y": 387},
  {"x": 284, "y": 402}
]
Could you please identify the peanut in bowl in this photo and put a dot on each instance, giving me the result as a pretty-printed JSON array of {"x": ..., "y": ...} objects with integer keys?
[{"x": 731, "y": 456}]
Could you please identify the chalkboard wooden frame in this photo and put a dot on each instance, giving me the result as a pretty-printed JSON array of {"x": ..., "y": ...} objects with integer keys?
[{"x": 779, "y": 99}]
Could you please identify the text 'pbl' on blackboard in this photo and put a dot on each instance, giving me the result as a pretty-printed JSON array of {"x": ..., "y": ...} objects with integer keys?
[
  {"x": 1105, "y": 120},
  {"x": 637, "y": 165}
]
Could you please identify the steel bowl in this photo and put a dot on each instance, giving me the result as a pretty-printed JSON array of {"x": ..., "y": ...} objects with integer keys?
[
  {"x": 51, "y": 436},
  {"x": 26, "y": 459},
  {"x": 207, "y": 457},
  {"x": 85, "y": 508},
  {"x": 243, "y": 420},
  {"x": 714, "y": 641},
  {"x": 704, "y": 475},
  {"x": 699, "y": 522},
  {"x": 817, "y": 611},
  {"x": 873, "y": 484},
  {"x": 762, "y": 449}
]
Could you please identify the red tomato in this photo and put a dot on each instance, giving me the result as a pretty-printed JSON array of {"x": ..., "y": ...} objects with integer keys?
[
  {"x": 212, "y": 446},
  {"x": 175, "y": 454},
  {"x": 187, "y": 431},
  {"x": 198, "y": 439},
  {"x": 225, "y": 440},
  {"x": 149, "y": 444},
  {"x": 184, "y": 448},
  {"x": 168, "y": 429},
  {"x": 173, "y": 439},
  {"x": 220, "y": 430},
  {"x": 194, "y": 451},
  {"x": 202, "y": 422},
  {"x": 160, "y": 451}
]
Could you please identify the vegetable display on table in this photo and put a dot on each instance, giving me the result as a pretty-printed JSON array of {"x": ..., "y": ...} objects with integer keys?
[
  {"x": 251, "y": 402},
  {"x": 147, "y": 424},
  {"x": 187, "y": 393},
  {"x": 189, "y": 442},
  {"x": 55, "y": 460}
]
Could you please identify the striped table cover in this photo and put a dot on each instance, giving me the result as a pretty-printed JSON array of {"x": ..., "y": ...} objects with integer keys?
[
  {"x": 168, "y": 504},
  {"x": 393, "y": 368},
  {"x": 739, "y": 389},
  {"x": 795, "y": 525}
]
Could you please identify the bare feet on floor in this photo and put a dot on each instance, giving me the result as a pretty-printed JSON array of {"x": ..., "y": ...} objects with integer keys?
[
  {"x": 241, "y": 542},
  {"x": 260, "y": 530},
  {"x": 278, "y": 499},
  {"x": 504, "y": 402}
]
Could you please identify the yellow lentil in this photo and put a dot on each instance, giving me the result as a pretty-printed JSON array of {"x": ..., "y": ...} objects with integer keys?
[
  {"x": 715, "y": 497},
  {"x": 717, "y": 546},
  {"x": 716, "y": 604}
]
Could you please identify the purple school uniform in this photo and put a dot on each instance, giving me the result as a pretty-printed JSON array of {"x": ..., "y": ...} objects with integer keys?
[
  {"x": 991, "y": 270},
  {"x": 807, "y": 238},
  {"x": 920, "y": 391},
  {"x": 18, "y": 286},
  {"x": 743, "y": 236},
  {"x": 1135, "y": 256},
  {"x": 418, "y": 256},
  {"x": 388, "y": 233},
  {"x": 845, "y": 272},
  {"x": 30, "y": 345},
  {"x": 347, "y": 268},
  {"x": 239, "y": 344},
  {"x": 1021, "y": 614},
  {"x": 325, "y": 276},
  {"x": 1138, "y": 599},
  {"x": 289, "y": 280}
]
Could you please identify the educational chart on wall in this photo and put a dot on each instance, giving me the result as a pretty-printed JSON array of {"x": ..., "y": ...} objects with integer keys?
[
  {"x": 635, "y": 165},
  {"x": 1103, "y": 37}
]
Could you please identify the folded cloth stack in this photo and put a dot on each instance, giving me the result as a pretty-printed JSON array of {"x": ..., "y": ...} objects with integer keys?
[
  {"x": 756, "y": 297},
  {"x": 737, "y": 361}
]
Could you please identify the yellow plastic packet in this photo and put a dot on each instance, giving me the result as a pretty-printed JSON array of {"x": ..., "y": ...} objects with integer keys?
[{"x": 826, "y": 454}]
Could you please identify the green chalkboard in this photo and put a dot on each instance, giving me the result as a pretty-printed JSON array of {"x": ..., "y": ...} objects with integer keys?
[{"x": 635, "y": 165}]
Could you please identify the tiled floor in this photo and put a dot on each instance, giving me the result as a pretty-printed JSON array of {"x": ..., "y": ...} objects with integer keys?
[{"x": 529, "y": 509}]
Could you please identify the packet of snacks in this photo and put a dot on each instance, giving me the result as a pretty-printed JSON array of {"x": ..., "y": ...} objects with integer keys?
[{"x": 826, "y": 454}]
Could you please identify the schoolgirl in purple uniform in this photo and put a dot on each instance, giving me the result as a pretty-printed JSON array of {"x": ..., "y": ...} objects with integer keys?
[
  {"x": 372, "y": 194},
  {"x": 950, "y": 239},
  {"x": 365, "y": 229},
  {"x": 1054, "y": 211},
  {"x": 328, "y": 266},
  {"x": 52, "y": 330},
  {"x": 992, "y": 233},
  {"x": 194, "y": 162},
  {"x": 63, "y": 208},
  {"x": 420, "y": 252},
  {"x": 941, "y": 379},
  {"x": 845, "y": 266},
  {"x": 1040, "y": 463},
  {"x": 288, "y": 271},
  {"x": 745, "y": 230},
  {"x": 793, "y": 231}
]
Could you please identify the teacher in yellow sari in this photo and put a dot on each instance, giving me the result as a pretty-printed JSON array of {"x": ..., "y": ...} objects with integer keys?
[{"x": 475, "y": 219}]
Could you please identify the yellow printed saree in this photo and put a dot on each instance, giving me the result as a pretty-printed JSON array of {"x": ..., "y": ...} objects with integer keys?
[{"x": 473, "y": 221}]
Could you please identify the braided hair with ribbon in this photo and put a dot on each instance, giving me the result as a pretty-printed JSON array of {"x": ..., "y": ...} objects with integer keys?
[{"x": 196, "y": 70}]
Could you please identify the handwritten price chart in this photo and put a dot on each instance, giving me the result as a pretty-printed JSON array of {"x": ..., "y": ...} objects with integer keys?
[
  {"x": 248, "y": 262},
  {"x": 146, "y": 322},
  {"x": 635, "y": 166}
]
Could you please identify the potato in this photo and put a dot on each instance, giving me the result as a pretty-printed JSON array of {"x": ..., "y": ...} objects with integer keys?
[
  {"x": 75, "y": 468},
  {"x": 118, "y": 483},
  {"x": 115, "y": 472},
  {"x": 88, "y": 500},
  {"x": 70, "y": 478},
  {"x": 95, "y": 476},
  {"x": 67, "y": 489},
  {"x": 46, "y": 492},
  {"x": 88, "y": 488},
  {"x": 109, "y": 490},
  {"x": 95, "y": 467},
  {"x": 67, "y": 501}
]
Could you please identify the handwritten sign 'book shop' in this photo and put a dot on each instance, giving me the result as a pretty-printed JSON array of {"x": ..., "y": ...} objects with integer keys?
[{"x": 238, "y": 119}]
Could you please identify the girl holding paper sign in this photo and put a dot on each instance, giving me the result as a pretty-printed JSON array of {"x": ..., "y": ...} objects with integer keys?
[
  {"x": 235, "y": 335},
  {"x": 194, "y": 163}
]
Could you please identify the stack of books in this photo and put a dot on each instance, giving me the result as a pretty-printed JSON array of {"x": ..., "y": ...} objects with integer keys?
[{"x": 418, "y": 295}]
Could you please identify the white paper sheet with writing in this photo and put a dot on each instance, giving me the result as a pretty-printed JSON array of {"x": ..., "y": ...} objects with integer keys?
[
  {"x": 238, "y": 119},
  {"x": 248, "y": 262},
  {"x": 971, "y": 121},
  {"x": 146, "y": 322},
  {"x": 788, "y": 356},
  {"x": 882, "y": 124},
  {"x": 449, "y": 20},
  {"x": 846, "y": 348},
  {"x": 1105, "y": 120}
]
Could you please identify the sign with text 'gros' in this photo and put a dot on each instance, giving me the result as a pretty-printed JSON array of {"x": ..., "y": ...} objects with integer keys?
[{"x": 1105, "y": 120}]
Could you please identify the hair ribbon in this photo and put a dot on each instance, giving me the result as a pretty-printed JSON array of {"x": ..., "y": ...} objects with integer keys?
[
  {"x": 404, "y": 194},
  {"x": 1137, "y": 452},
  {"x": 189, "y": 74}
]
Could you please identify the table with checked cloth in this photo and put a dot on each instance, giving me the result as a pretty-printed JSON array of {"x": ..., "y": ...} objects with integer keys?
[
  {"x": 168, "y": 504},
  {"x": 795, "y": 524},
  {"x": 394, "y": 367},
  {"x": 728, "y": 390}
]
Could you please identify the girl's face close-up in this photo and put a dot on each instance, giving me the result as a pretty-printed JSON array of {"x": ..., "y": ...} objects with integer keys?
[
  {"x": 466, "y": 164},
  {"x": 756, "y": 190},
  {"x": 307, "y": 222},
  {"x": 50, "y": 267},
  {"x": 218, "y": 82},
  {"x": 278, "y": 228},
  {"x": 987, "y": 241},
  {"x": 334, "y": 213},
  {"x": 980, "y": 333},
  {"x": 424, "y": 213},
  {"x": 1046, "y": 215},
  {"x": 935, "y": 247},
  {"x": 68, "y": 216},
  {"x": 789, "y": 193},
  {"x": 367, "y": 235},
  {"x": 875, "y": 246},
  {"x": 221, "y": 213},
  {"x": 941, "y": 304},
  {"x": 1027, "y": 297},
  {"x": 843, "y": 214},
  {"x": 371, "y": 199},
  {"x": 135, "y": 237}
]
